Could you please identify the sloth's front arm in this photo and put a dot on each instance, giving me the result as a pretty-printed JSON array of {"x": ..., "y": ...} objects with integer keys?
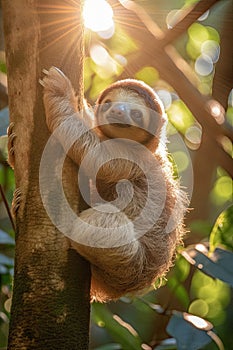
[{"x": 64, "y": 119}]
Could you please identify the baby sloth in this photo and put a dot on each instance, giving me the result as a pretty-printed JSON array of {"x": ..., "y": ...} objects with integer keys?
[{"x": 135, "y": 221}]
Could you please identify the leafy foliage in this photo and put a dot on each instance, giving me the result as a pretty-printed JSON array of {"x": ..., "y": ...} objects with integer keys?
[
  {"x": 187, "y": 335},
  {"x": 189, "y": 330},
  {"x": 218, "y": 265},
  {"x": 222, "y": 233},
  {"x": 117, "y": 328}
]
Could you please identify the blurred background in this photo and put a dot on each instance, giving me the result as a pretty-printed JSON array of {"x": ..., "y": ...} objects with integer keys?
[{"x": 183, "y": 50}]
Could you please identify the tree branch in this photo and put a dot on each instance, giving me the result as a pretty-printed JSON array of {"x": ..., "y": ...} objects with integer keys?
[
  {"x": 162, "y": 58},
  {"x": 190, "y": 15}
]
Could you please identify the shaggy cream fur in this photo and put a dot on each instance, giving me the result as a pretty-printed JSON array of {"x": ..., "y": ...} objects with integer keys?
[{"x": 131, "y": 237}]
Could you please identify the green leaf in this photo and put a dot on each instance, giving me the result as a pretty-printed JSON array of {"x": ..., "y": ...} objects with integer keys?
[
  {"x": 121, "y": 332},
  {"x": 222, "y": 232},
  {"x": 182, "y": 269},
  {"x": 218, "y": 265},
  {"x": 179, "y": 291},
  {"x": 187, "y": 335}
]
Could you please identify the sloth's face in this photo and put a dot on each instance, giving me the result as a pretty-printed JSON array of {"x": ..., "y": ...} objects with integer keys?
[{"x": 124, "y": 114}]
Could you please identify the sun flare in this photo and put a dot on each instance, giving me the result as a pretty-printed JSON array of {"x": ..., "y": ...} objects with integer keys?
[{"x": 98, "y": 15}]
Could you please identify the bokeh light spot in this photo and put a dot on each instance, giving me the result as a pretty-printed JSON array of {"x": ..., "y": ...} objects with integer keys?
[
  {"x": 98, "y": 15},
  {"x": 204, "y": 65},
  {"x": 181, "y": 160},
  {"x": 204, "y": 16},
  {"x": 165, "y": 97},
  {"x": 212, "y": 49},
  {"x": 148, "y": 74},
  {"x": 199, "y": 307},
  {"x": 193, "y": 137},
  {"x": 174, "y": 17},
  {"x": 99, "y": 54},
  {"x": 180, "y": 116},
  {"x": 222, "y": 190},
  {"x": 198, "y": 33},
  {"x": 216, "y": 110},
  {"x": 230, "y": 99},
  {"x": 198, "y": 322}
]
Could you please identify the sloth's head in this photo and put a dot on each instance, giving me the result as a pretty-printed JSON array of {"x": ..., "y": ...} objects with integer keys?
[{"x": 130, "y": 109}]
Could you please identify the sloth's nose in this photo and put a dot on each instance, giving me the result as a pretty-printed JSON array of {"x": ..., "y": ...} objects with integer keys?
[{"x": 118, "y": 110}]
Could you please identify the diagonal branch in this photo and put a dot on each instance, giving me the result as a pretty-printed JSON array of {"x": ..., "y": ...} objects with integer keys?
[
  {"x": 190, "y": 15},
  {"x": 209, "y": 113}
]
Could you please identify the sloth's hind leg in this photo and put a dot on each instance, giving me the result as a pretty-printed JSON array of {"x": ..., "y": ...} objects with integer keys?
[
  {"x": 106, "y": 237},
  {"x": 102, "y": 227}
]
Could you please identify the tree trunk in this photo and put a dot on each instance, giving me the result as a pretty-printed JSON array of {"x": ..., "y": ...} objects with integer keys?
[{"x": 50, "y": 306}]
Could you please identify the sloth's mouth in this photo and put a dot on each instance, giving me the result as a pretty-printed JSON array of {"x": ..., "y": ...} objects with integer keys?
[
  {"x": 120, "y": 125},
  {"x": 117, "y": 122}
]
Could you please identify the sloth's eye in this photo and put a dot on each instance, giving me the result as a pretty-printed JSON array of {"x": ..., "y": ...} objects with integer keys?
[
  {"x": 106, "y": 105},
  {"x": 136, "y": 115}
]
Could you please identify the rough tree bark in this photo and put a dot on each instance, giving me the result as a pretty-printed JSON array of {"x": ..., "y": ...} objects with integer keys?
[{"x": 50, "y": 307}]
